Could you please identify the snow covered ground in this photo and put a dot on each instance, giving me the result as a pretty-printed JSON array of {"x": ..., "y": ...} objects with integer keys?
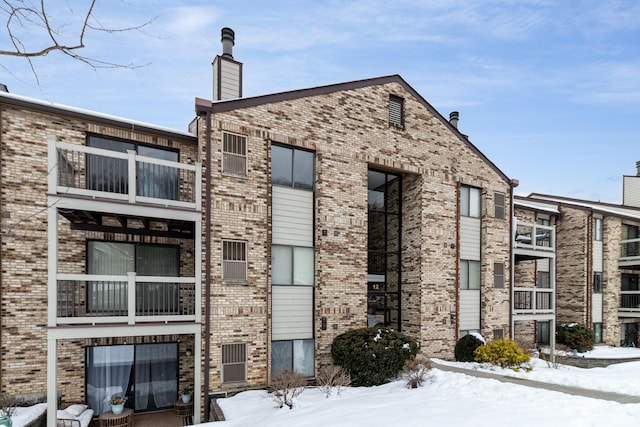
[{"x": 451, "y": 399}]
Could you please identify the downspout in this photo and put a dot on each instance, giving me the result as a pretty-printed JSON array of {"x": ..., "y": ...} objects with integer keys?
[
  {"x": 207, "y": 269},
  {"x": 1, "y": 228},
  {"x": 512, "y": 264},
  {"x": 589, "y": 260}
]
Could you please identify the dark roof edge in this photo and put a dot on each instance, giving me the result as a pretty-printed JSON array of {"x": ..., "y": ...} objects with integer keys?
[
  {"x": 203, "y": 106},
  {"x": 78, "y": 113}
]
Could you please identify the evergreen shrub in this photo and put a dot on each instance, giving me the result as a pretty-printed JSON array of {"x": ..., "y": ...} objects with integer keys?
[
  {"x": 502, "y": 352},
  {"x": 575, "y": 335},
  {"x": 373, "y": 355},
  {"x": 466, "y": 347}
]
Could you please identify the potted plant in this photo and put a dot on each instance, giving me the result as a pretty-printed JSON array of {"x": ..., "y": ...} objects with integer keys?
[
  {"x": 117, "y": 403},
  {"x": 7, "y": 406},
  {"x": 186, "y": 392}
]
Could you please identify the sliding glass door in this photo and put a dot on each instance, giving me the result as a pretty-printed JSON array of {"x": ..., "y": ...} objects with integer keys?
[{"x": 147, "y": 374}]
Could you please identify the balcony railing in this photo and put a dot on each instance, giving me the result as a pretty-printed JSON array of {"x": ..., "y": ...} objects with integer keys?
[
  {"x": 630, "y": 252},
  {"x": 95, "y": 172},
  {"x": 532, "y": 301},
  {"x": 535, "y": 236},
  {"x": 630, "y": 301},
  {"x": 93, "y": 299}
]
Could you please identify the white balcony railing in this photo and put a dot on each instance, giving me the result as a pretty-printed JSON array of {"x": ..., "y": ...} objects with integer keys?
[
  {"x": 629, "y": 302},
  {"x": 533, "y": 301},
  {"x": 630, "y": 252},
  {"x": 94, "y": 299},
  {"x": 99, "y": 173},
  {"x": 535, "y": 236}
]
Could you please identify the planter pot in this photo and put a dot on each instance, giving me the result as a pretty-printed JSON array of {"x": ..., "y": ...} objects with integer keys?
[
  {"x": 186, "y": 398},
  {"x": 117, "y": 409},
  {"x": 6, "y": 421}
]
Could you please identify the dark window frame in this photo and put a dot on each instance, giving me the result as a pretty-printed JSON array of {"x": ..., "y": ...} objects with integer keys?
[
  {"x": 242, "y": 142},
  {"x": 294, "y": 183},
  {"x": 500, "y": 210},
  {"x": 396, "y": 111}
]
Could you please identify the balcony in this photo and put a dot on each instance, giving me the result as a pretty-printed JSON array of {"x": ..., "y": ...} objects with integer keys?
[
  {"x": 629, "y": 304},
  {"x": 127, "y": 177},
  {"x": 102, "y": 299},
  {"x": 532, "y": 301},
  {"x": 534, "y": 241},
  {"x": 630, "y": 253}
]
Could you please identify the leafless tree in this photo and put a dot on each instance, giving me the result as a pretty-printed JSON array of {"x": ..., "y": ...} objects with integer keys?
[{"x": 32, "y": 32}]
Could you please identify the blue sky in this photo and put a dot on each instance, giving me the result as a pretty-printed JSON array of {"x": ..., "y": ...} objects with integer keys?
[{"x": 548, "y": 90}]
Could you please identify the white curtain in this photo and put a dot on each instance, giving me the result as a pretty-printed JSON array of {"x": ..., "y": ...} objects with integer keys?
[
  {"x": 108, "y": 372},
  {"x": 156, "y": 376}
]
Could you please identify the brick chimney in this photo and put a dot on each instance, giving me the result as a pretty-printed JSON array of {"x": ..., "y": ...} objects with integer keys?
[{"x": 227, "y": 72}]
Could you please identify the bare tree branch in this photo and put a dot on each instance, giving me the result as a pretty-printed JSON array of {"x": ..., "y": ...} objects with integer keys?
[{"x": 24, "y": 16}]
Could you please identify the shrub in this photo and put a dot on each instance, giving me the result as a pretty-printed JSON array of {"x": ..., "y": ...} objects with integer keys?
[
  {"x": 286, "y": 386},
  {"x": 332, "y": 377},
  {"x": 372, "y": 356},
  {"x": 502, "y": 352},
  {"x": 575, "y": 335},
  {"x": 466, "y": 347},
  {"x": 415, "y": 372}
]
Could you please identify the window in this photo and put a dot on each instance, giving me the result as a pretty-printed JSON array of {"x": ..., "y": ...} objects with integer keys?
[
  {"x": 292, "y": 265},
  {"x": 543, "y": 221},
  {"x": 396, "y": 111},
  {"x": 629, "y": 282},
  {"x": 111, "y": 174},
  {"x": 118, "y": 259},
  {"x": 292, "y": 167},
  {"x": 464, "y": 332},
  {"x": 470, "y": 201},
  {"x": 234, "y": 154},
  {"x": 597, "y": 333},
  {"x": 498, "y": 275},
  {"x": 234, "y": 362},
  {"x": 498, "y": 334},
  {"x": 234, "y": 261},
  {"x": 542, "y": 332},
  {"x": 543, "y": 279},
  {"x": 469, "y": 274},
  {"x": 597, "y": 229},
  {"x": 498, "y": 202},
  {"x": 292, "y": 355},
  {"x": 597, "y": 282}
]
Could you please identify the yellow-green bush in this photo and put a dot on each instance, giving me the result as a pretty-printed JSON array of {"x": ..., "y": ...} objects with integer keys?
[{"x": 502, "y": 352}]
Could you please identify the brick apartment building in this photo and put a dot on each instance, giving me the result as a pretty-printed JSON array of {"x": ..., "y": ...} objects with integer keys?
[{"x": 138, "y": 259}]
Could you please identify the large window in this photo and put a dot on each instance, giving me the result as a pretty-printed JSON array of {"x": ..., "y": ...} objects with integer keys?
[
  {"x": 147, "y": 374},
  {"x": 292, "y": 265},
  {"x": 234, "y": 261},
  {"x": 292, "y": 355},
  {"x": 118, "y": 259},
  {"x": 111, "y": 174},
  {"x": 292, "y": 167},
  {"x": 470, "y": 201},
  {"x": 234, "y": 154},
  {"x": 469, "y": 274},
  {"x": 384, "y": 232}
]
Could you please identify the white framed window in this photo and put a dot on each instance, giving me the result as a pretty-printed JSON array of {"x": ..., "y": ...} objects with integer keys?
[
  {"x": 293, "y": 355},
  {"x": 234, "y": 154},
  {"x": 498, "y": 275},
  {"x": 292, "y": 265},
  {"x": 396, "y": 111},
  {"x": 234, "y": 362},
  {"x": 234, "y": 261},
  {"x": 597, "y": 229},
  {"x": 499, "y": 205},
  {"x": 470, "y": 201},
  {"x": 469, "y": 274}
]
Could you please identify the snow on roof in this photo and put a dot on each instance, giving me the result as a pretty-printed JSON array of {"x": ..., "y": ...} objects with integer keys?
[
  {"x": 537, "y": 205},
  {"x": 75, "y": 110}
]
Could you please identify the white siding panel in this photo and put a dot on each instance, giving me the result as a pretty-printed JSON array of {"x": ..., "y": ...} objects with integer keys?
[
  {"x": 470, "y": 238},
  {"x": 597, "y": 256},
  {"x": 292, "y": 312},
  {"x": 292, "y": 220},
  {"x": 469, "y": 309},
  {"x": 230, "y": 80},
  {"x": 597, "y": 308},
  {"x": 631, "y": 187}
]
